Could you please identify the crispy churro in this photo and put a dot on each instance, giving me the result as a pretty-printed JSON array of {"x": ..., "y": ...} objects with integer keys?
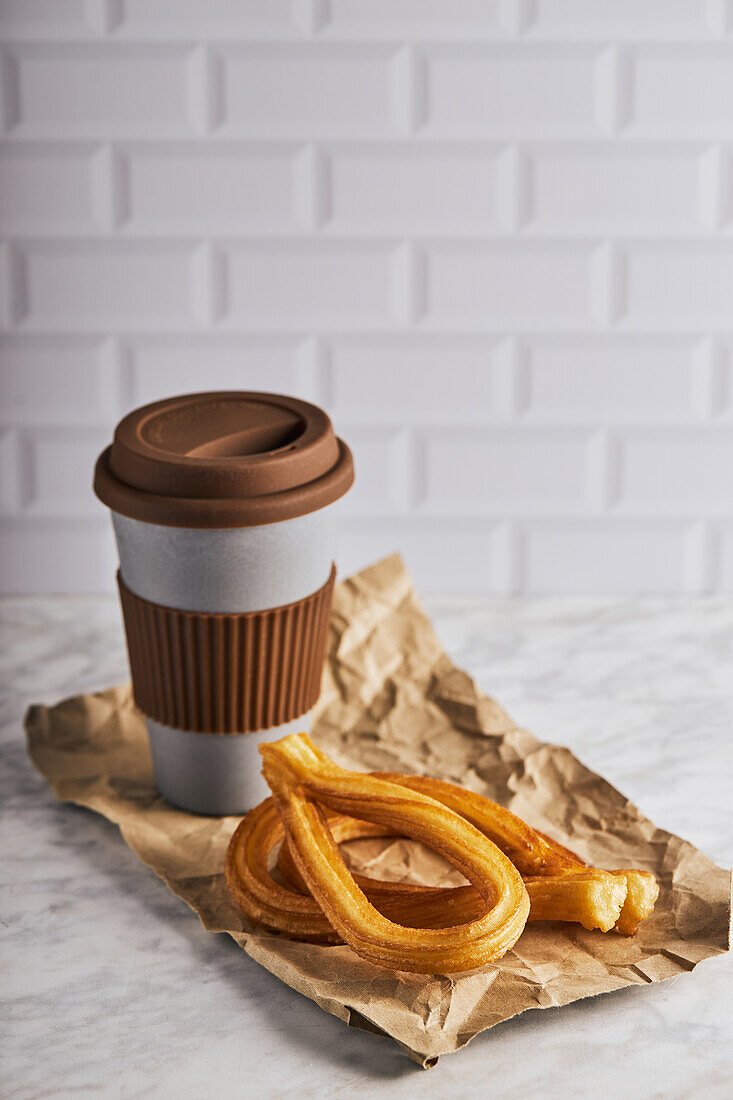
[
  {"x": 303, "y": 781},
  {"x": 592, "y": 898},
  {"x": 318, "y": 805}
]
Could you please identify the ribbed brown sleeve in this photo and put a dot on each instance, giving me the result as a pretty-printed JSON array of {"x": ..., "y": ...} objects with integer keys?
[{"x": 226, "y": 673}]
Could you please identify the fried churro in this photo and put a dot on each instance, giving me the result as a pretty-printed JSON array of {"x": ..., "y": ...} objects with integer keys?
[
  {"x": 303, "y": 781},
  {"x": 318, "y": 805}
]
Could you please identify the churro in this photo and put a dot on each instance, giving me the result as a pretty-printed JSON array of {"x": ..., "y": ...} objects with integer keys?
[
  {"x": 591, "y": 898},
  {"x": 588, "y": 896},
  {"x": 318, "y": 805},
  {"x": 533, "y": 853},
  {"x": 303, "y": 780}
]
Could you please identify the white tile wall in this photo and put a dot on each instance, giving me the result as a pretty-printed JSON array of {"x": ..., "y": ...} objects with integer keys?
[{"x": 492, "y": 237}]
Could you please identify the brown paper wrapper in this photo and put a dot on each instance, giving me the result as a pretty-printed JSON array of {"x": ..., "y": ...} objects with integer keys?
[{"x": 392, "y": 700}]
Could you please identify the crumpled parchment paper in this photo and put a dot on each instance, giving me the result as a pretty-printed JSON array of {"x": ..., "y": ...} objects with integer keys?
[{"x": 393, "y": 700}]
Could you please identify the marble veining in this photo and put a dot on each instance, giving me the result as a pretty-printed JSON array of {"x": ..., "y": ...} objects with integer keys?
[{"x": 111, "y": 987}]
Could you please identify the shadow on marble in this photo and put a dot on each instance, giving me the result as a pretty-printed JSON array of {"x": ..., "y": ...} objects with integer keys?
[{"x": 94, "y": 838}]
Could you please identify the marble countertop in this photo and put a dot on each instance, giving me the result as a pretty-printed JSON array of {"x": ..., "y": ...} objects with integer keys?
[{"x": 111, "y": 987}]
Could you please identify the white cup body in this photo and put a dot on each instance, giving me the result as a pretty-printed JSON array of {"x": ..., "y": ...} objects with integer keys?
[
  {"x": 227, "y": 569},
  {"x": 222, "y": 570},
  {"x": 213, "y": 773}
]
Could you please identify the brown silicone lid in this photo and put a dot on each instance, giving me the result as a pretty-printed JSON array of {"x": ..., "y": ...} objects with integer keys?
[{"x": 233, "y": 458}]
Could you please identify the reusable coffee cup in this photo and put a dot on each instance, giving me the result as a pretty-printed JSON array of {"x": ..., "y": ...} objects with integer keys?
[{"x": 223, "y": 511}]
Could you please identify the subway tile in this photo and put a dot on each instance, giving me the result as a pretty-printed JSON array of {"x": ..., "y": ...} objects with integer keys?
[
  {"x": 52, "y": 380},
  {"x": 468, "y": 19},
  {"x": 681, "y": 91},
  {"x": 508, "y": 285},
  {"x": 425, "y": 189},
  {"x": 272, "y": 91},
  {"x": 205, "y": 189},
  {"x": 626, "y": 19},
  {"x": 413, "y": 379},
  {"x": 60, "y": 467},
  {"x": 604, "y": 557},
  {"x": 49, "y": 188},
  {"x": 159, "y": 368},
  {"x": 595, "y": 190},
  {"x": 687, "y": 286},
  {"x": 607, "y": 380},
  {"x": 676, "y": 470},
  {"x": 107, "y": 286},
  {"x": 11, "y": 472},
  {"x": 515, "y": 92},
  {"x": 82, "y": 559},
  {"x": 725, "y": 559},
  {"x": 453, "y": 559},
  {"x": 213, "y": 19},
  {"x": 383, "y": 460},
  {"x": 308, "y": 286},
  {"x": 28, "y": 19},
  {"x": 504, "y": 471},
  {"x": 102, "y": 91}
]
